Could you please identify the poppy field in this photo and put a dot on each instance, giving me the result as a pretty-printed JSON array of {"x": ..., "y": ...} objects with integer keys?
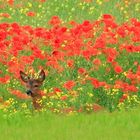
[{"x": 89, "y": 50}]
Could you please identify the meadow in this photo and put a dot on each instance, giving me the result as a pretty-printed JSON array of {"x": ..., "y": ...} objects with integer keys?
[
  {"x": 89, "y": 50},
  {"x": 100, "y": 126}
]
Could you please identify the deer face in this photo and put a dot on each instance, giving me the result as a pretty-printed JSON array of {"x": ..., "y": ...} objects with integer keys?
[{"x": 33, "y": 85}]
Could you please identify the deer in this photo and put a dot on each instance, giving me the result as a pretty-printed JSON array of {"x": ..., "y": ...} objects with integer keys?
[{"x": 33, "y": 88}]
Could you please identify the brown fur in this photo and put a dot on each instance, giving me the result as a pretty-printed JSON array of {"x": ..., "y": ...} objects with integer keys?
[{"x": 33, "y": 88}]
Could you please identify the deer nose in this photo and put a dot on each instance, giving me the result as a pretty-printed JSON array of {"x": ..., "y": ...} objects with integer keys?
[{"x": 29, "y": 92}]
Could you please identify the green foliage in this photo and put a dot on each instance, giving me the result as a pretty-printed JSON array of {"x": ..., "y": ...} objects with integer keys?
[{"x": 99, "y": 126}]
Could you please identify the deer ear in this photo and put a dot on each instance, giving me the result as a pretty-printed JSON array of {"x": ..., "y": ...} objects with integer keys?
[
  {"x": 24, "y": 77},
  {"x": 41, "y": 77}
]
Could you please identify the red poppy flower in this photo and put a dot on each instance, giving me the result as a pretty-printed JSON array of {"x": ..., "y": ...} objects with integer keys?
[
  {"x": 107, "y": 16},
  {"x": 69, "y": 84},
  {"x": 31, "y": 14},
  {"x": 19, "y": 94},
  {"x": 4, "y": 79},
  {"x": 123, "y": 98},
  {"x": 64, "y": 97},
  {"x": 42, "y": 0},
  {"x": 10, "y": 2},
  {"x": 55, "y": 20},
  {"x": 57, "y": 90},
  {"x": 81, "y": 71},
  {"x": 118, "y": 69},
  {"x": 97, "y": 61},
  {"x": 95, "y": 83},
  {"x": 6, "y": 15},
  {"x": 70, "y": 63}
]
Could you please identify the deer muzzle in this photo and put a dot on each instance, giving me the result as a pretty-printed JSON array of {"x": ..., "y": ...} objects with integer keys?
[{"x": 29, "y": 92}]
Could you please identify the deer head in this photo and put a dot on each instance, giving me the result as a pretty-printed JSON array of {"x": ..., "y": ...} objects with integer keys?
[{"x": 33, "y": 86}]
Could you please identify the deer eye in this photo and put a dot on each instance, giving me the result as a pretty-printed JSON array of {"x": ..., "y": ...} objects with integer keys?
[{"x": 35, "y": 85}]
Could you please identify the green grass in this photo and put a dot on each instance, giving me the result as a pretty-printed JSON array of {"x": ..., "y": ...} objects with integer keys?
[
  {"x": 68, "y": 10},
  {"x": 98, "y": 126}
]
